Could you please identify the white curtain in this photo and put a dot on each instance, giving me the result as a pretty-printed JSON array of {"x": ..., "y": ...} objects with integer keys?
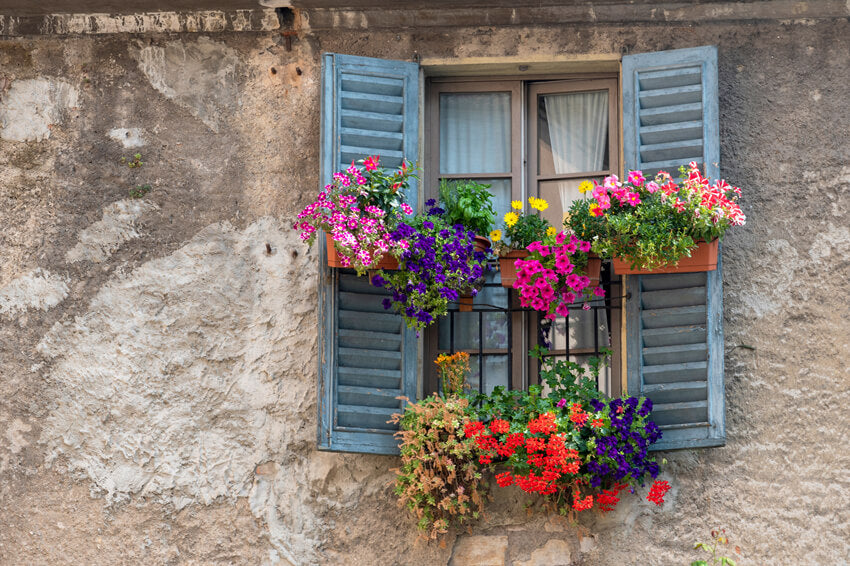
[
  {"x": 475, "y": 132},
  {"x": 578, "y": 124}
]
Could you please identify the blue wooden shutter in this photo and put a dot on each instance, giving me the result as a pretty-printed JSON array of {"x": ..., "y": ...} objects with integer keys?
[
  {"x": 367, "y": 356},
  {"x": 675, "y": 322}
]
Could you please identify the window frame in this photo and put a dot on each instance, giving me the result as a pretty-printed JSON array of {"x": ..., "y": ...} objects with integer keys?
[{"x": 524, "y": 183}]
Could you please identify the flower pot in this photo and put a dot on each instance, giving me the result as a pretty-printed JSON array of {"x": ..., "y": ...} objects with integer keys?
[
  {"x": 481, "y": 244},
  {"x": 703, "y": 258},
  {"x": 387, "y": 262},
  {"x": 464, "y": 303},
  {"x": 507, "y": 268},
  {"x": 594, "y": 269}
]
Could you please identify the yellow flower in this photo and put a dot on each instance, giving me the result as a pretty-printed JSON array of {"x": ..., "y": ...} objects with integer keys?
[
  {"x": 551, "y": 231},
  {"x": 496, "y": 235},
  {"x": 595, "y": 210},
  {"x": 585, "y": 186},
  {"x": 538, "y": 204},
  {"x": 511, "y": 219},
  {"x": 516, "y": 204}
]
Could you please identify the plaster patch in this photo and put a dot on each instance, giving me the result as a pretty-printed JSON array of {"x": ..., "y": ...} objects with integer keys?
[
  {"x": 103, "y": 238},
  {"x": 199, "y": 76},
  {"x": 189, "y": 372},
  {"x": 32, "y": 106},
  {"x": 14, "y": 436},
  {"x": 834, "y": 239},
  {"x": 129, "y": 137},
  {"x": 39, "y": 290},
  {"x": 767, "y": 290}
]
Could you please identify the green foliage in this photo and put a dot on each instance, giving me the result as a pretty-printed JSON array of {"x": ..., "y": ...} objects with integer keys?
[
  {"x": 439, "y": 479},
  {"x": 719, "y": 538},
  {"x": 383, "y": 188},
  {"x": 140, "y": 191},
  {"x": 569, "y": 380},
  {"x": 468, "y": 203},
  {"x": 133, "y": 162}
]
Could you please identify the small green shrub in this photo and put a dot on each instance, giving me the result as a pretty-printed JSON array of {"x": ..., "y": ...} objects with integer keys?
[{"x": 468, "y": 203}]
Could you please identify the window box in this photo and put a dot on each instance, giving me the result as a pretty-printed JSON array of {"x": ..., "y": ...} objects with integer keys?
[{"x": 702, "y": 258}]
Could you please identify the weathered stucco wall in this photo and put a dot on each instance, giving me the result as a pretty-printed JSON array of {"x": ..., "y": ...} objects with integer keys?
[{"x": 157, "y": 363}]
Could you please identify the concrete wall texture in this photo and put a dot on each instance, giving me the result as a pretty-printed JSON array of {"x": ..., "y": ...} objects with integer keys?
[{"x": 158, "y": 365}]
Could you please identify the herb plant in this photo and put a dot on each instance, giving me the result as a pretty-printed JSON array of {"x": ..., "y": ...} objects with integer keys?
[{"x": 469, "y": 204}]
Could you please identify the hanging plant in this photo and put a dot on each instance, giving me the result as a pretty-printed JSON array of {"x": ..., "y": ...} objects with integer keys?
[{"x": 438, "y": 264}]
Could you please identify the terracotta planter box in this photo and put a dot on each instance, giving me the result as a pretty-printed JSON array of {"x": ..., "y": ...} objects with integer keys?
[
  {"x": 508, "y": 269},
  {"x": 594, "y": 269},
  {"x": 703, "y": 258},
  {"x": 480, "y": 244},
  {"x": 387, "y": 262}
]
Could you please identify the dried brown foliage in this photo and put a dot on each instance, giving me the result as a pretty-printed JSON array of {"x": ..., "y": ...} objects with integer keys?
[{"x": 439, "y": 479}]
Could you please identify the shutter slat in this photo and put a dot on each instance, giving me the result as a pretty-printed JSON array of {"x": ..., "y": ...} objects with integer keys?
[
  {"x": 370, "y": 377},
  {"x": 372, "y": 102},
  {"x": 684, "y": 297},
  {"x": 369, "y": 396},
  {"x": 379, "y": 321},
  {"x": 677, "y": 316},
  {"x": 371, "y": 139},
  {"x": 671, "y": 335},
  {"x": 678, "y": 150},
  {"x": 681, "y": 391},
  {"x": 372, "y": 85},
  {"x": 362, "y": 302},
  {"x": 668, "y": 373},
  {"x": 672, "y": 281},
  {"x": 675, "y": 96},
  {"x": 663, "y": 355},
  {"x": 371, "y": 359},
  {"x": 676, "y": 114},
  {"x": 680, "y": 413},
  {"x": 368, "y": 357},
  {"x": 676, "y": 131},
  {"x": 361, "y": 417},
  {"x": 366, "y": 339},
  {"x": 374, "y": 121},
  {"x": 668, "y": 78},
  {"x": 389, "y": 158}
]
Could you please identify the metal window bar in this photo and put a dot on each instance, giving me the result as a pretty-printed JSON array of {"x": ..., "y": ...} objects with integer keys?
[{"x": 608, "y": 303}]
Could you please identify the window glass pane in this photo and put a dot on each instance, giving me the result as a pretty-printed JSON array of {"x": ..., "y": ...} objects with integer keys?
[
  {"x": 560, "y": 196},
  {"x": 572, "y": 132},
  {"x": 495, "y": 372},
  {"x": 466, "y": 336},
  {"x": 475, "y": 132}
]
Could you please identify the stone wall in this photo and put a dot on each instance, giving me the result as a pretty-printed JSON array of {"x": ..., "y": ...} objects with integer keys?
[{"x": 157, "y": 361}]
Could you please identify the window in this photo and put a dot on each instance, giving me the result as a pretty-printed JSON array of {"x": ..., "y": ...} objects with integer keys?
[
  {"x": 673, "y": 350},
  {"x": 523, "y": 138}
]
